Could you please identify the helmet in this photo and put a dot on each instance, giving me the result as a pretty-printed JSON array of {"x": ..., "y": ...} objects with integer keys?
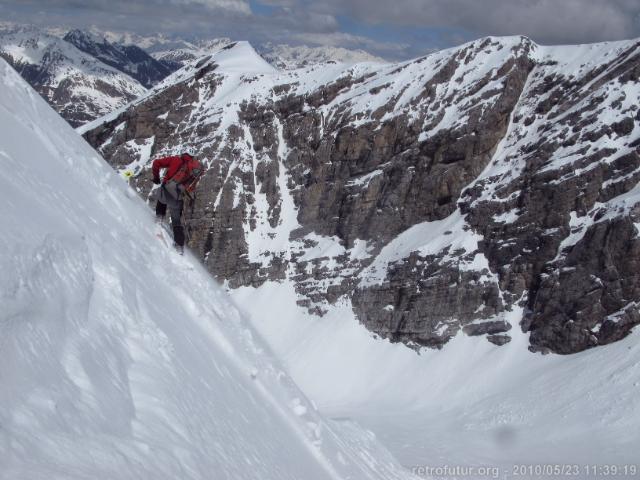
[{"x": 189, "y": 151}]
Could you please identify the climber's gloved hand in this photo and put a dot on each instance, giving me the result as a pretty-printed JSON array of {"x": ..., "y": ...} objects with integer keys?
[{"x": 156, "y": 180}]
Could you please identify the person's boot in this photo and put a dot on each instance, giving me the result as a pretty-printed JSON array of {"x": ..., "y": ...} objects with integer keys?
[
  {"x": 179, "y": 248},
  {"x": 178, "y": 237}
]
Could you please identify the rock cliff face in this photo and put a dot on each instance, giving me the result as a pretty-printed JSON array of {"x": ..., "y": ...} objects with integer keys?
[{"x": 437, "y": 196}]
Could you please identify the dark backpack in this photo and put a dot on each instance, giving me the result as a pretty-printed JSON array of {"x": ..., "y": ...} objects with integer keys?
[{"x": 189, "y": 173}]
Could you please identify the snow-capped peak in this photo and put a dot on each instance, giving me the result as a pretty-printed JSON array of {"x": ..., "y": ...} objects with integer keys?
[
  {"x": 241, "y": 57},
  {"x": 81, "y": 37}
]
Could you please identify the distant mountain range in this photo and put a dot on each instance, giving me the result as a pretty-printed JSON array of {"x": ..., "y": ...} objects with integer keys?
[
  {"x": 87, "y": 74},
  {"x": 77, "y": 84},
  {"x": 281, "y": 56},
  {"x": 129, "y": 59},
  {"x": 287, "y": 57},
  {"x": 186, "y": 52}
]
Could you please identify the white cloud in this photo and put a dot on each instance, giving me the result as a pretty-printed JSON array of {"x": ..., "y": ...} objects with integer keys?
[
  {"x": 396, "y": 29},
  {"x": 238, "y": 6},
  {"x": 347, "y": 40},
  {"x": 117, "y": 7},
  {"x": 280, "y": 3},
  {"x": 552, "y": 21},
  {"x": 342, "y": 39}
]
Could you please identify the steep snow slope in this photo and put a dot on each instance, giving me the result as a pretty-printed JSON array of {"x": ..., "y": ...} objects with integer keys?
[
  {"x": 241, "y": 57},
  {"x": 120, "y": 359},
  {"x": 77, "y": 85},
  {"x": 468, "y": 404}
]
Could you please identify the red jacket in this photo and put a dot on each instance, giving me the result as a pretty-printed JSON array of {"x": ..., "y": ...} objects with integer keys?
[{"x": 172, "y": 164}]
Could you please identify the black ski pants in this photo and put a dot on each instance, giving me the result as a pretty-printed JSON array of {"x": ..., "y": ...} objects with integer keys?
[{"x": 170, "y": 196}]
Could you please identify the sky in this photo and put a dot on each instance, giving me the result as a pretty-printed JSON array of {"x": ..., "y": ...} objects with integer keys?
[{"x": 392, "y": 29}]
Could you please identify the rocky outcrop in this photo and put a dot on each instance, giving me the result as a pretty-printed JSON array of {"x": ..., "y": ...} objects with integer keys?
[
  {"x": 590, "y": 298},
  {"x": 427, "y": 300},
  {"x": 479, "y": 191}
]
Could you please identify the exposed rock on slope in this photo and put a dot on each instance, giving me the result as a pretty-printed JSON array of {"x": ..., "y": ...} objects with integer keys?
[{"x": 433, "y": 194}]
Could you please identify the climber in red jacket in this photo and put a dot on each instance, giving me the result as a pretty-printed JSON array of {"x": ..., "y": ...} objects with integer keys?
[{"x": 180, "y": 180}]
